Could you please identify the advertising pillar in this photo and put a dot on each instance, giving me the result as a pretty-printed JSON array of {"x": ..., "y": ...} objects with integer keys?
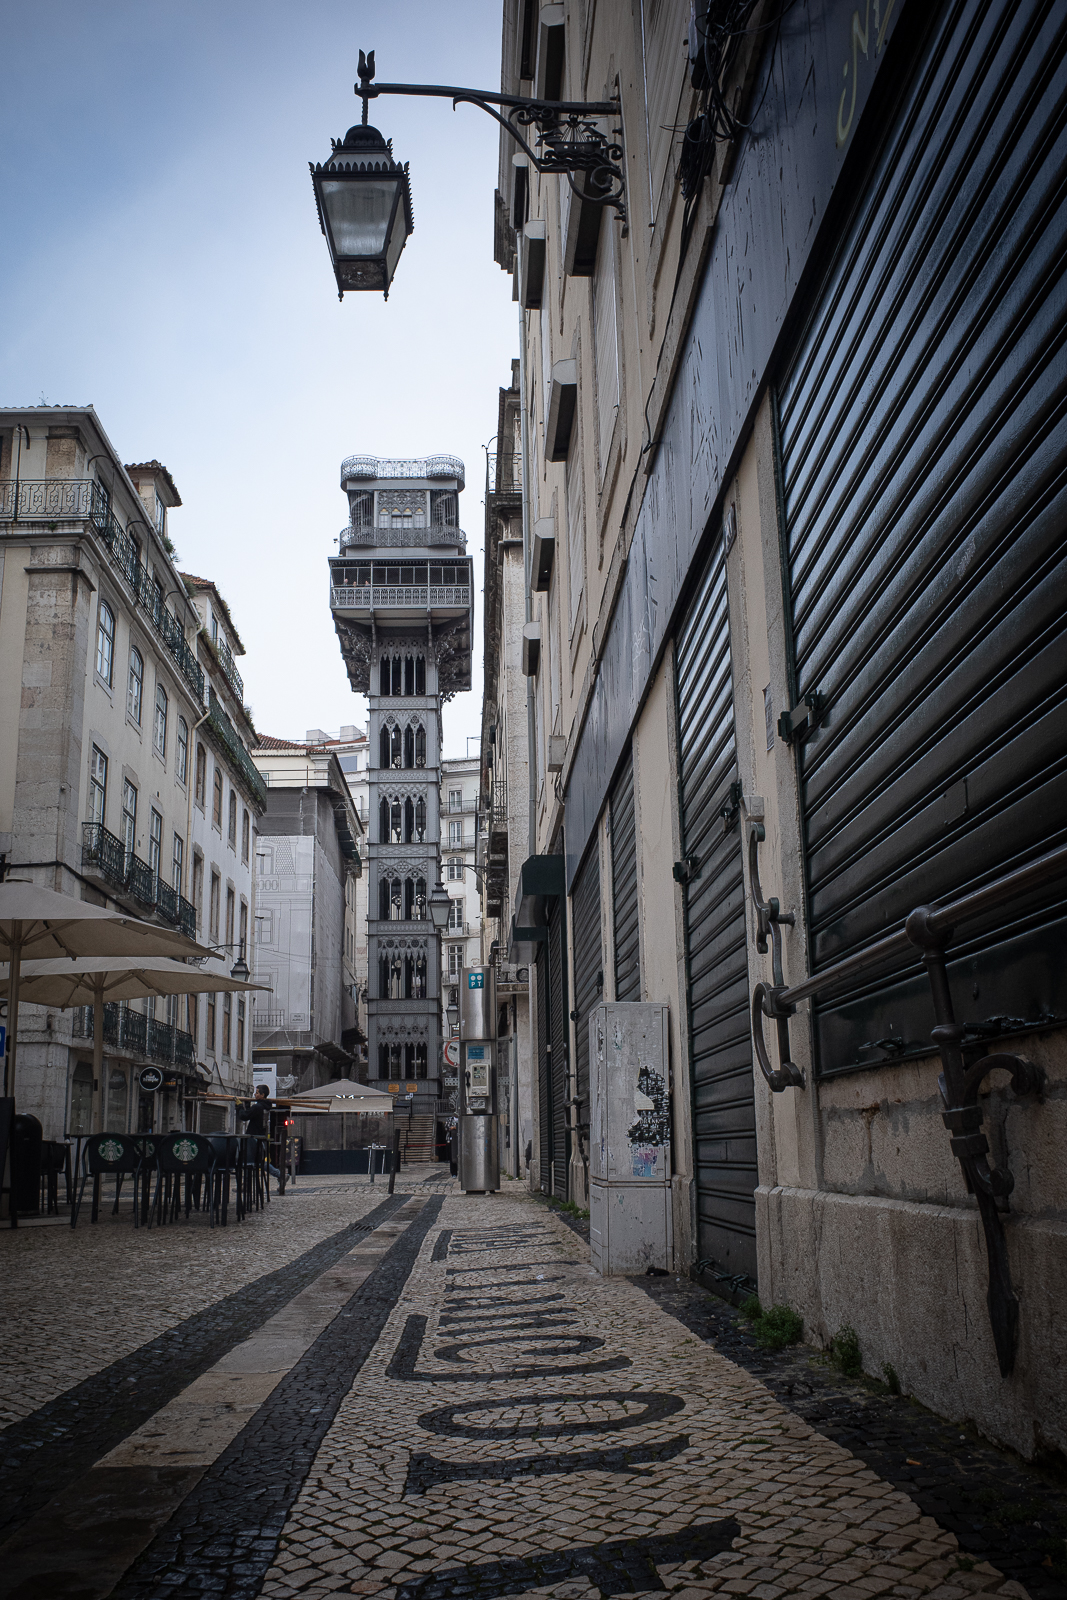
[{"x": 479, "y": 1157}]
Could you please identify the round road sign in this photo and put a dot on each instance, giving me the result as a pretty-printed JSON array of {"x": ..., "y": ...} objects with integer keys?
[{"x": 452, "y": 1052}]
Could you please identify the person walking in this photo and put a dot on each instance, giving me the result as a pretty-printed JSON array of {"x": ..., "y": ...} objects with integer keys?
[{"x": 256, "y": 1112}]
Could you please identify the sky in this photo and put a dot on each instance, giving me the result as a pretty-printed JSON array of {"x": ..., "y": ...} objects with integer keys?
[{"x": 162, "y": 260}]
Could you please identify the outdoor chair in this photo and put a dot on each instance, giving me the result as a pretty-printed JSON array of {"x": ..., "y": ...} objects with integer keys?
[
  {"x": 227, "y": 1148},
  {"x": 109, "y": 1153},
  {"x": 55, "y": 1159},
  {"x": 253, "y": 1178},
  {"x": 183, "y": 1155}
]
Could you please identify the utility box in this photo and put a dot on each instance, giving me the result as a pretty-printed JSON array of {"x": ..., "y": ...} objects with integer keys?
[{"x": 630, "y": 1218}]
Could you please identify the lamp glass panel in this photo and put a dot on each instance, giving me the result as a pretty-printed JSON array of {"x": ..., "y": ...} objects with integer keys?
[{"x": 358, "y": 212}]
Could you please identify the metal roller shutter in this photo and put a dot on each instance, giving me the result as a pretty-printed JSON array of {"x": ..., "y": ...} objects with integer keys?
[
  {"x": 588, "y": 968},
  {"x": 624, "y": 885},
  {"x": 544, "y": 1077},
  {"x": 557, "y": 1032},
  {"x": 724, "y": 1112},
  {"x": 924, "y": 466}
]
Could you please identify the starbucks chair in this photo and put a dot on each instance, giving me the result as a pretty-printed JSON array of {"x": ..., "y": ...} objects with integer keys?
[
  {"x": 109, "y": 1153},
  {"x": 188, "y": 1156}
]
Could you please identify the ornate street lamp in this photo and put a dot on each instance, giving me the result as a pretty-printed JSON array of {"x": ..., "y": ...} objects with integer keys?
[
  {"x": 364, "y": 197},
  {"x": 364, "y": 202},
  {"x": 440, "y": 906}
]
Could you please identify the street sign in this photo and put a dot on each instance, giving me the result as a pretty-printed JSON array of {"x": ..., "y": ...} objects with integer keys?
[
  {"x": 452, "y": 1052},
  {"x": 150, "y": 1079},
  {"x": 475, "y": 980}
]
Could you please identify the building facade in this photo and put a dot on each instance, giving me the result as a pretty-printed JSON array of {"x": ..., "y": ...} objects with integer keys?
[
  {"x": 504, "y": 840},
  {"x": 793, "y": 449},
  {"x": 308, "y": 868},
  {"x": 403, "y": 601},
  {"x": 110, "y": 703},
  {"x": 459, "y": 800}
]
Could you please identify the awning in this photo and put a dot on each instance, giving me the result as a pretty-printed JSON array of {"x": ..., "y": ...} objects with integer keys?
[{"x": 541, "y": 878}]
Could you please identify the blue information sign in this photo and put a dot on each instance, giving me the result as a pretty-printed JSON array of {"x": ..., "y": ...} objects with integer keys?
[{"x": 475, "y": 980}]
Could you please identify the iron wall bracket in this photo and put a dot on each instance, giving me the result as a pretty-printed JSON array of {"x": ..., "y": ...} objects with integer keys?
[
  {"x": 959, "y": 1083},
  {"x": 767, "y": 998},
  {"x": 567, "y": 140}
]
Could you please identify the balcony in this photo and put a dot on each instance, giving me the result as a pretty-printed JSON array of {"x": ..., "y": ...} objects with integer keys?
[
  {"x": 503, "y": 473},
  {"x": 81, "y": 499},
  {"x": 140, "y": 1035},
  {"x": 105, "y": 857},
  {"x": 229, "y": 668},
  {"x": 226, "y": 733},
  {"x": 438, "y": 533},
  {"x": 369, "y": 597},
  {"x": 373, "y": 467}
]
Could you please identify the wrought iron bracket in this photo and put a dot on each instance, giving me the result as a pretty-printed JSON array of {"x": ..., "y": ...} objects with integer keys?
[
  {"x": 767, "y": 998},
  {"x": 566, "y": 142},
  {"x": 959, "y": 1083}
]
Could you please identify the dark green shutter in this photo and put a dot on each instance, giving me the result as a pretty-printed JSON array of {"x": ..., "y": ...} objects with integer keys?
[
  {"x": 724, "y": 1115},
  {"x": 588, "y": 966},
  {"x": 624, "y": 884},
  {"x": 923, "y": 428}
]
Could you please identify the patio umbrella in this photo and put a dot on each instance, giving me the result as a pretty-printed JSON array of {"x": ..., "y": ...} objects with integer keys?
[
  {"x": 91, "y": 980},
  {"x": 40, "y": 923}
]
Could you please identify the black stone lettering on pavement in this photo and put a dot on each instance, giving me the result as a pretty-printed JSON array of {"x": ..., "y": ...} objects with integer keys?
[
  {"x": 619, "y": 1566},
  {"x": 654, "y": 1406},
  {"x": 471, "y": 1305},
  {"x": 42, "y": 1454},
  {"x": 426, "y": 1472},
  {"x": 224, "y": 1537},
  {"x": 440, "y": 1248},
  {"x": 555, "y": 1344},
  {"x": 519, "y": 1266},
  {"x": 1003, "y": 1510},
  {"x": 403, "y": 1365}
]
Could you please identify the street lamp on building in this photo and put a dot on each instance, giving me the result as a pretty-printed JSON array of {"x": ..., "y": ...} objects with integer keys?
[
  {"x": 364, "y": 196},
  {"x": 452, "y": 1013},
  {"x": 440, "y": 906},
  {"x": 364, "y": 202}
]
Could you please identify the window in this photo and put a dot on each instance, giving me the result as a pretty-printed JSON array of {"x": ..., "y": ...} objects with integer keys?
[
  {"x": 198, "y": 888},
  {"x": 227, "y": 1023},
  {"x": 181, "y": 751},
  {"x": 456, "y": 867},
  {"x": 455, "y": 914},
  {"x": 216, "y": 798},
  {"x": 455, "y": 833},
  {"x": 135, "y": 692},
  {"x": 129, "y": 817},
  {"x": 232, "y": 830},
  {"x": 605, "y": 344},
  {"x": 212, "y": 1025},
  {"x": 176, "y": 863},
  {"x": 105, "y": 642},
  {"x": 216, "y": 901},
  {"x": 230, "y": 904},
  {"x": 240, "y": 1030},
  {"x": 97, "y": 785},
  {"x": 455, "y": 799},
  {"x": 161, "y": 721},
  {"x": 243, "y": 950},
  {"x": 155, "y": 841},
  {"x": 201, "y": 776},
  {"x": 264, "y": 927},
  {"x": 455, "y": 960},
  {"x": 246, "y": 834}
]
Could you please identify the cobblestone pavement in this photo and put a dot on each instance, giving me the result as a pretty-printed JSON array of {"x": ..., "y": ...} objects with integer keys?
[{"x": 444, "y": 1401}]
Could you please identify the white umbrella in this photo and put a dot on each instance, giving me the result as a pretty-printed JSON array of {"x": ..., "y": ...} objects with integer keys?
[
  {"x": 40, "y": 923},
  {"x": 343, "y": 1095}
]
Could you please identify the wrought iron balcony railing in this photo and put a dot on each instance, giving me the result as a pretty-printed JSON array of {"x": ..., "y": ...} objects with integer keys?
[
  {"x": 390, "y": 467},
  {"x": 105, "y": 855},
  {"x": 503, "y": 473},
  {"x": 436, "y": 533},
  {"x": 81, "y": 499},
  {"x": 133, "y": 1031},
  {"x": 229, "y": 667},
  {"x": 369, "y": 597},
  {"x": 225, "y": 731}
]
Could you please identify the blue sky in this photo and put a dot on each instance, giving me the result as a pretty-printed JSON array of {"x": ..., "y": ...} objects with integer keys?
[{"x": 163, "y": 261}]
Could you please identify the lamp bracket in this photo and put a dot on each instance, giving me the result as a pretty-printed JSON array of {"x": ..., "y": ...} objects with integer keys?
[{"x": 567, "y": 140}]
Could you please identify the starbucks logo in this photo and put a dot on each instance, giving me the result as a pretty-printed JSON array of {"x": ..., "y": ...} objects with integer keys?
[
  {"x": 185, "y": 1150},
  {"x": 109, "y": 1150}
]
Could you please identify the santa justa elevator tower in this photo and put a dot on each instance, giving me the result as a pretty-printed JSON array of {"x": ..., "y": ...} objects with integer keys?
[{"x": 403, "y": 606}]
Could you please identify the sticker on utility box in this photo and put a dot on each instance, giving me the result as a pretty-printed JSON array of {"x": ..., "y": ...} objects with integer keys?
[{"x": 475, "y": 980}]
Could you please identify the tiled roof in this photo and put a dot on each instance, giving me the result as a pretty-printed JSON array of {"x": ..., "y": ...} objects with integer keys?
[
  {"x": 221, "y": 606},
  {"x": 160, "y": 469}
]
